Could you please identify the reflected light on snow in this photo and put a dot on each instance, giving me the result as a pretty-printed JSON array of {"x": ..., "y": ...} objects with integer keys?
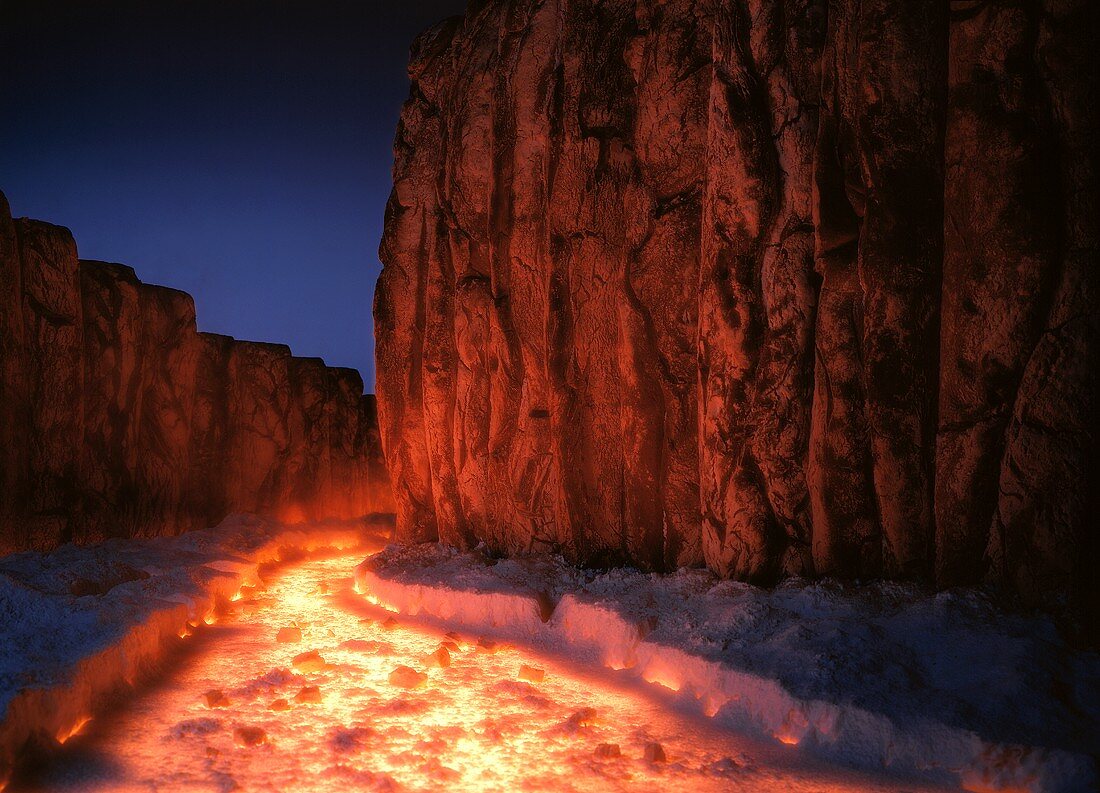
[
  {"x": 236, "y": 714},
  {"x": 76, "y": 729}
]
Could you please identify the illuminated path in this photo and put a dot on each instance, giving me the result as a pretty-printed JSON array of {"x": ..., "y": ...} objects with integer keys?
[{"x": 473, "y": 725}]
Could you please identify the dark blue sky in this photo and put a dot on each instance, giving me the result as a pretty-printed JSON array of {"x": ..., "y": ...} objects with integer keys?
[{"x": 237, "y": 149}]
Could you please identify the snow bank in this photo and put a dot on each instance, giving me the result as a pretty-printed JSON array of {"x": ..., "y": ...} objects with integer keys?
[
  {"x": 944, "y": 686},
  {"x": 82, "y": 622}
]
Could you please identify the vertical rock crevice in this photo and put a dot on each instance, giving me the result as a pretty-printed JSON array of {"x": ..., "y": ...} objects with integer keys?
[{"x": 778, "y": 286}]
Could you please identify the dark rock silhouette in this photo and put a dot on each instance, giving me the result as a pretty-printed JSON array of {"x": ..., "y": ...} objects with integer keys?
[
  {"x": 119, "y": 419},
  {"x": 778, "y": 286}
]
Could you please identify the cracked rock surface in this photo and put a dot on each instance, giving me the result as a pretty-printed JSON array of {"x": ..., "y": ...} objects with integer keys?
[{"x": 774, "y": 286}]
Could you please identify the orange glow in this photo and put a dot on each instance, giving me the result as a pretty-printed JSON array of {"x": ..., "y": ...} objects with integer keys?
[
  {"x": 75, "y": 729},
  {"x": 374, "y": 601},
  {"x": 372, "y": 704},
  {"x": 661, "y": 680},
  {"x": 987, "y": 786}
]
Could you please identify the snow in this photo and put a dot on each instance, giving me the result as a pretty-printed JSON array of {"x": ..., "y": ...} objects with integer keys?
[
  {"x": 946, "y": 687},
  {"x": 452, "y": 669},
  {"x": 82, "y": 622},
  {"x": 469, "y": 726}
]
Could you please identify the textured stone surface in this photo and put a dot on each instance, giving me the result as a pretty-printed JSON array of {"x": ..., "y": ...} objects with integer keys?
[
  {"x": 781, "y": 286},
  {"x": 13, "y": 385},
  {"x": 119, "y": 419},
  {"x": 53, "y": 343},
  {"x": 259, "y": 424},
  {"x": 206, "y": 499},
  {"x": 112, "y": 317}
]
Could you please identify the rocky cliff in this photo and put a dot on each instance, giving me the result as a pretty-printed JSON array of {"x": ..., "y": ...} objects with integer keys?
[
  {"x": 119, "y": 419},
  {"x": 778, "y": 286}
]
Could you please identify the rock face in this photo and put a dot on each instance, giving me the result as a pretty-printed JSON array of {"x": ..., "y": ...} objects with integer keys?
[
  {"x": 119, "y": 419},
  {"x": 778, "y": 286}
]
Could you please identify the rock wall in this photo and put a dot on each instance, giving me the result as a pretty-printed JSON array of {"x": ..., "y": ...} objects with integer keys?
[
  {"x": 119, "y": 419},
  {"x": 778, "y": 286}
]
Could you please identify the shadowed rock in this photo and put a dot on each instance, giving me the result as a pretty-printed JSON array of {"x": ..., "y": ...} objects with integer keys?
[{"x": 119, "y": 419}]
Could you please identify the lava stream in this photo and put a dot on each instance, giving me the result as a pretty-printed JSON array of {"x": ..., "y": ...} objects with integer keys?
[{"x": 309, "y": 687}]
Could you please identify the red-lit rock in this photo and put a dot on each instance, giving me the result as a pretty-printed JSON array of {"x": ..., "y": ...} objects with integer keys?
[
  {"x": 663, "y": 284},
  {"x": 246, "y": 737},
  {"x": 407, "y": 677},
  {"x": 53, "y": 345},
  {"x": 118, "y": 419},
  {"x": 607, "y": 751},
  {"x": 259, "y": 409},
  {"x": 291, "y": 633},
  {"x": 309, "y": 469},
  {"x": 373, "y": 481},
  {"x": 215, "y": 698},
  {"x": 207, "y": 498},
  {"x": 309, "y": 695},
  {"x": 170, "y": 352},
  {"x": 347, "y": 390},
  {"x": 14, "y": 409},
  {"x": 113, "y": 333}
]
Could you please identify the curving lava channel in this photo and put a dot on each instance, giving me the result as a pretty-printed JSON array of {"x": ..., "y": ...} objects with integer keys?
[{"x": 369, "y": 707}]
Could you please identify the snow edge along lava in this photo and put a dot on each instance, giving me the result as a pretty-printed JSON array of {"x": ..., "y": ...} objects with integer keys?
[
  {"x": 231, "y": 557},
  {"x": 546, "y": 604}
]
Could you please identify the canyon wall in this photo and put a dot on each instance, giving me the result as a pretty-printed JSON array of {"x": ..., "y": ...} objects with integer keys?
[
  {"x": 119, "y": 419},
  {"x": 774, "y": 286}
]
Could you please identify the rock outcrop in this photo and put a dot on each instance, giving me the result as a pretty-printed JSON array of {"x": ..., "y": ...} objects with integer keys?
[
  {"x": 778, "y": 286},
  {"x": 119, "y": 419}
]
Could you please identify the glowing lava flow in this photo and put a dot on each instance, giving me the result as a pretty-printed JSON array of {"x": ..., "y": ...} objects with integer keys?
[{"x": 374, "y": 703}]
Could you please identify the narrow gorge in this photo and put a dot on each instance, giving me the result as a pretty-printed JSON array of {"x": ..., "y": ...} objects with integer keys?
[{"x": 734, "y": 424}]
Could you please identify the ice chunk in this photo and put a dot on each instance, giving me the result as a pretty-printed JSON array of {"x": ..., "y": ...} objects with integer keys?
[
  {"x": 310, "y": 661},
  {"x": 309, "y": 695},
  {"x": 441, "y": 657},
  {"x": 585, "y": 717},
  {"x": 249, "y": 736},
  {"x": 279, "y": 704},
  {"x": 215, "y": 698},
  {"x": 407, "y": 677},
  {"x": 532, "y": 674},
  {"x": 451, "y": 646},
  {"x": 655, "y": 753},
  {"x": 608, "y": 750},
  {"x": 389, "y": 623},
  {"x": 291, "y": 633}
]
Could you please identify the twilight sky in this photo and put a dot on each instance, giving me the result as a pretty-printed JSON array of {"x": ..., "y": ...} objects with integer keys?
[{"x": 236, "y": 149}]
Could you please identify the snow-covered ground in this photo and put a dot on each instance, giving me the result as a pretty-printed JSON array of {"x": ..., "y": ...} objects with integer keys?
[
  {"x": 809, "y": 686},
  {"x": 942, "y": 686},
  {"x": 307, "y": 687},
  {"x": 81, "y": 623}
]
